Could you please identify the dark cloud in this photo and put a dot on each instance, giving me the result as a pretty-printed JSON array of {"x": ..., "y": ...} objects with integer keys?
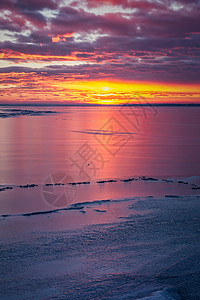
[
  {"x": 127, "y": 4},
  {"x": 157, "y": 41},
  {"x": 146, "y": 70},
  {"x": 71, "y": 20},
  {"x": 24, "y": 10},
  {"x": 36, "y": 18},
  {"x": 29, "y": 5},
  {"x": 142, "y": 23},
  {"x": 144, "y": 4}
]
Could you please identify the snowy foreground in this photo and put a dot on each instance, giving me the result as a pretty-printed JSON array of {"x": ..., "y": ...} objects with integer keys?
[{"x": 150, "y": 250}]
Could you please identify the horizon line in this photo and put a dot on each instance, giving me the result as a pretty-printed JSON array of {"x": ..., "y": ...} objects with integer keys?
[{"x": 98, "y": 104}]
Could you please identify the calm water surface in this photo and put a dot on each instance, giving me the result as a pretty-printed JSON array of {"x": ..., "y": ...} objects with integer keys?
[{"x": 89, "y": 143}]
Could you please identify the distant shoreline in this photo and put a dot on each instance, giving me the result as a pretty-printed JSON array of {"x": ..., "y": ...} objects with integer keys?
[{"x": 99, "y": 105}]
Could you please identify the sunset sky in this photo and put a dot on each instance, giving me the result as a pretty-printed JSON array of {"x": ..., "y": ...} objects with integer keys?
[{"x": 99, "y": 51}]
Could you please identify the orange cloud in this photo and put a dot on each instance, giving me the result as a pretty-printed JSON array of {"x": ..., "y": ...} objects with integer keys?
[
  {"x": 9, "y": 54},
  {"x": 61, "y": 38}
]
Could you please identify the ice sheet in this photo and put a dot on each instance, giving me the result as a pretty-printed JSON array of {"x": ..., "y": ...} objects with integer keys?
[{"x": 151, "y": 244}]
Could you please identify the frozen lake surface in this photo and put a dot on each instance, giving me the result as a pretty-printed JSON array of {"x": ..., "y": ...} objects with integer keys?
[{"x": 150, "y": 245}]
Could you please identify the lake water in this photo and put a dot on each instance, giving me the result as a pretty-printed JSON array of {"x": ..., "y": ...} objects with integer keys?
[{"x": 89, "y": 143}]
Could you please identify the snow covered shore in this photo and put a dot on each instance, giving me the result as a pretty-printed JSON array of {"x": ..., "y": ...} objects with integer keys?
[{"x": 147, "y": 247}]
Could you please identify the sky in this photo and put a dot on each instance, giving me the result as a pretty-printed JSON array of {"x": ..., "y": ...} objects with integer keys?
[{"x": 99, "y": 51}]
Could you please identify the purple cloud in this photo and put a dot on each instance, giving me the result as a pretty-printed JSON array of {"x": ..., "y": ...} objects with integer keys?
[{"x": 150, "y": 41}]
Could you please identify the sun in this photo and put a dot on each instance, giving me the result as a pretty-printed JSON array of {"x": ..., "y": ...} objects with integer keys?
[{"x": 106, "y": 88}]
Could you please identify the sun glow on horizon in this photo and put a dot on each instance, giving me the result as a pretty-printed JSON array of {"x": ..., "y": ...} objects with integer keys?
[
  {"x": 106, "y": 88},
  {"x": 95, "y": 92},
  {"x": 119, "y": 92},
  {"x": 115, "y": 86}
]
